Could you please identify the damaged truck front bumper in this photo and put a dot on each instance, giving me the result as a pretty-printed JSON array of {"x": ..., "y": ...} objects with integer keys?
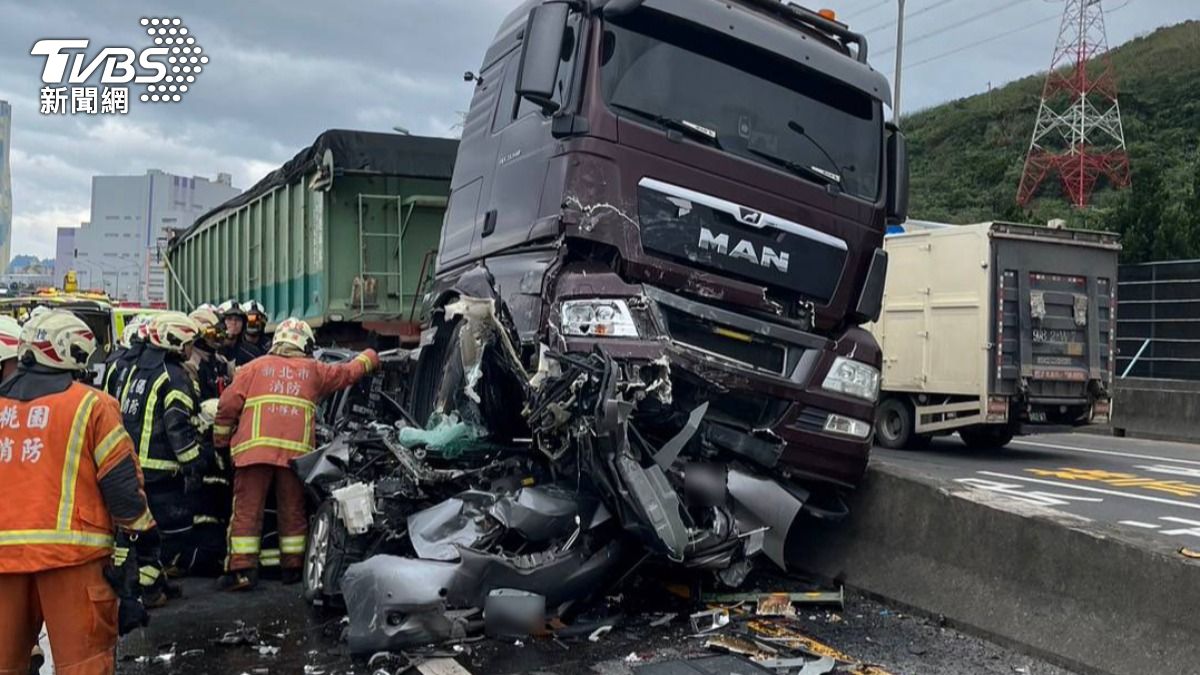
[{"x": 765, "y": 380}]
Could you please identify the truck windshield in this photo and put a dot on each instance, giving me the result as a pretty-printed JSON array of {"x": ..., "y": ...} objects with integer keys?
[{"x": 746, "y": 101}]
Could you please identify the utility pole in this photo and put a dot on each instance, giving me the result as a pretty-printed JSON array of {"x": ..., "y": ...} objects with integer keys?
[{"x": 899, "y": 63}]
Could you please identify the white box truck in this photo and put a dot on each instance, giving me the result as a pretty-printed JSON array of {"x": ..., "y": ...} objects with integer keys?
[{"x": 993, "y": 330}]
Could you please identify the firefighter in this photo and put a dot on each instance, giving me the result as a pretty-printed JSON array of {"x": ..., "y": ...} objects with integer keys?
[
  {"x": 116, "y": 373},
  {"x": 266, "y": 417},
  {"x": 157, "y": 407},
  {"x": 204, "y": 554},
  {"x": 56, "y": 537},
  {"x": 213, "y": 372},
  {"x": 10, "y": 334},
  {"x": 236, "y": 348},
  {"x": 256, "y": 326}
]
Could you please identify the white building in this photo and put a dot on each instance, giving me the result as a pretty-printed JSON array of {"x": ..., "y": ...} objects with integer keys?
[
  {"x": 132, "y": 216},
  {"x": 5, "y": 186},
  {"x": 64, "y": 253}
]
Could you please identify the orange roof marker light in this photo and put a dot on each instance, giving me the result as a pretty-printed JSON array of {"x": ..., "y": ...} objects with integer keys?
[{"x": 828, "y": 14}]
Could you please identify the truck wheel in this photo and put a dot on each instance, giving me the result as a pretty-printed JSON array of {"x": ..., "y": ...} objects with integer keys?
[
  {"x": 988, "y": 437},
  {"x": 894, "y": 424}
]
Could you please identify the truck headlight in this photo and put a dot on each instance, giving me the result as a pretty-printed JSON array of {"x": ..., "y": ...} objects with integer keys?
[
  {"x": 597, "y": 318},
  {"x": 852, "y": 378}
]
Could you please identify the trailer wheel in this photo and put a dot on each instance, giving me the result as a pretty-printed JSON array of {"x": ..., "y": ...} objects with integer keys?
[
  {"x": 989, "y": 437},
  {"x": 894, "y": 424}
]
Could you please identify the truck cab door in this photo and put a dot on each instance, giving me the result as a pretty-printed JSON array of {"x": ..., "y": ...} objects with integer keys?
[{"x": 525, "y": 148}]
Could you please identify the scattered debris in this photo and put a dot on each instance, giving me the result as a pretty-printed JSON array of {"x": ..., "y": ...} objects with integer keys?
[
  {"x": 715, "y": 665},
  {"x": 742, "y": 646},
  {"x": 442, "y": 667},
  {"x": 1189, "y": 553},
  {"x": 836, "y": 598},
  {"x": 775, "y": 604},
  {"x": 267, "y": 650},
  {"x": 664, "y": 619},
  {"x": 709, "y": 620},
  {"x": 599, "y": 633}
]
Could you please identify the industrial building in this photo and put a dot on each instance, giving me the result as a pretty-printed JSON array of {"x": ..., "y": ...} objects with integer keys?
[{"x": 131, "y": 219}]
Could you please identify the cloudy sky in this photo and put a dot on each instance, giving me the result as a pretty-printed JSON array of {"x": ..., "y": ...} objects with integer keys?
[{"x": 282, "y": 71}]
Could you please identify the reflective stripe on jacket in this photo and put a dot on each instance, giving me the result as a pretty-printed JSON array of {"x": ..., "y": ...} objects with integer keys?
[
  {"x": 54, "y": 452},
  {"x": 157, "y": 408},
  {"x": 272, "y": 404}
]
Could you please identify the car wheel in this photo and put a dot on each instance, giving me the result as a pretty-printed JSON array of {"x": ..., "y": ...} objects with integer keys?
[{"x": 318, "y": 554}]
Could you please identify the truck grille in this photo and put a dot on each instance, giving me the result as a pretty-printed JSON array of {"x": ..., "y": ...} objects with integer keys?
[{"x": 730, "y": 343}]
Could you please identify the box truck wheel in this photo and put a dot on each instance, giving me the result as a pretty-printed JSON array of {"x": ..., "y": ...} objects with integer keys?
[
  {"x": 894, "y": 424},
  {"x": 986, "y": 437}
]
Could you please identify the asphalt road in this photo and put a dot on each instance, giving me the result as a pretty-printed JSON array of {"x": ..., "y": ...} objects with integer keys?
[
  {"x": 1151, "y": 486},
  {"x": 284, "y": 636}
]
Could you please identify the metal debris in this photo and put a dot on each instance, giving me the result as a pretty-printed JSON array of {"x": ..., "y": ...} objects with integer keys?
[{"x": 709, "y": 620}]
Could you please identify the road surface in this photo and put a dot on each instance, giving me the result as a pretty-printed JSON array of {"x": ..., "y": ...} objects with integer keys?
[
  {"x": 1151, "y": 486},
  {"x": 285, "y": 637}
]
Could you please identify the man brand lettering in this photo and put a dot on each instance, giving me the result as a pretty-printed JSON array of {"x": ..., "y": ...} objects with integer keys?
[
  {"x": 743, "y": 250},
  {"x": 118, "y": 63}
]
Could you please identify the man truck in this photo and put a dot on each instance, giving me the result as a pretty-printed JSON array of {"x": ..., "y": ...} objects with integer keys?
[
  {"x": 995, "y": 329},
  {"x": 701, "y": 185}
]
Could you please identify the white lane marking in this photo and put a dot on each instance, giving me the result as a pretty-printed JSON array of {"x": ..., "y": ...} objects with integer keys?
[
  {"x": 1112, "y": 453},
  {"x": 1018, "y": 492},
  {"x": 1170, "y": 470},
  {"x": 1194, "y": 530},
  {"x": 1112, "y": 493},
  {"x": 1138, "y": 523}
]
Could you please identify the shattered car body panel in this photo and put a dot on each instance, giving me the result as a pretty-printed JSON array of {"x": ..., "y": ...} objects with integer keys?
[{"x": 650, "y": 339}]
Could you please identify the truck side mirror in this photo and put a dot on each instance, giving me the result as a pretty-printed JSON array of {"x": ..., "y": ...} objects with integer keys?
[
  {"x": 541, "y": 53},
  {"x": 897, "y": 174}
]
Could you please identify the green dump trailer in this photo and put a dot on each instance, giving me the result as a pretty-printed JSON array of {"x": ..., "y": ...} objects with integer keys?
[{"x": 344, "y": 236}]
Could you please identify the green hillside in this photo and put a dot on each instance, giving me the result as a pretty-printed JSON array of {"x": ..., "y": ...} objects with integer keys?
[{"x": 967, "y": 155}]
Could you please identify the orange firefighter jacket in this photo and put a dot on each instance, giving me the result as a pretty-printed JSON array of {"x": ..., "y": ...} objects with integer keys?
[
  {"x": 270, "y": 406},
  {"x": 64, "y": 460}
]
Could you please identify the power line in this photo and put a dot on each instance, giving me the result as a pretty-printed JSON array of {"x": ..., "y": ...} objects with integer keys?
[
  {"x": 979, "y": 43},
  {"x": 864, "y": 10},
  {"x": 958, "y": 24},
  {"x": 919, "y": 12}
]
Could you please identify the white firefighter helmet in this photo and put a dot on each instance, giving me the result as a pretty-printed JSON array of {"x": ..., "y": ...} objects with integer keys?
[
  {"x": 57, "y": 339},
  {"x": 133, "y": 329},
  {"x": 173, "y": 331},
  {"x": 10, "y": 335},
  {"x": 299, "y": 334},
  {"x": 205, "y": 317},
  {"x": 231, "y": 308}
]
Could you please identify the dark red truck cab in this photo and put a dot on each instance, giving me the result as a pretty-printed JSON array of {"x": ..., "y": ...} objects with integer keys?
[{"x": 698, "y": 184}]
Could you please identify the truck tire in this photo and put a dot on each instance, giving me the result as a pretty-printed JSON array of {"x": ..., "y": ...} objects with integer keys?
[
  {"x": 986, "y": 437},
  {"x": 894, "y": 425}
]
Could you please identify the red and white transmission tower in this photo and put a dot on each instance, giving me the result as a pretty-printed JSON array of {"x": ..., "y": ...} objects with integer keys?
[{"x": 1078, "y": 132}]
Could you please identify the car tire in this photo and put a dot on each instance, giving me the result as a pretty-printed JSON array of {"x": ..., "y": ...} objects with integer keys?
[
  {"x": 323, "y": 555},
  {"x": 988, "y": 437},
  {"x": 894, "y": 425}
]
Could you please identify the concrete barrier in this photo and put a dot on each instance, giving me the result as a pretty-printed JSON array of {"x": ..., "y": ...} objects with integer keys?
[
  {"x": 1082, "y": 595},
  {"x": 1162, "y": 409}
]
